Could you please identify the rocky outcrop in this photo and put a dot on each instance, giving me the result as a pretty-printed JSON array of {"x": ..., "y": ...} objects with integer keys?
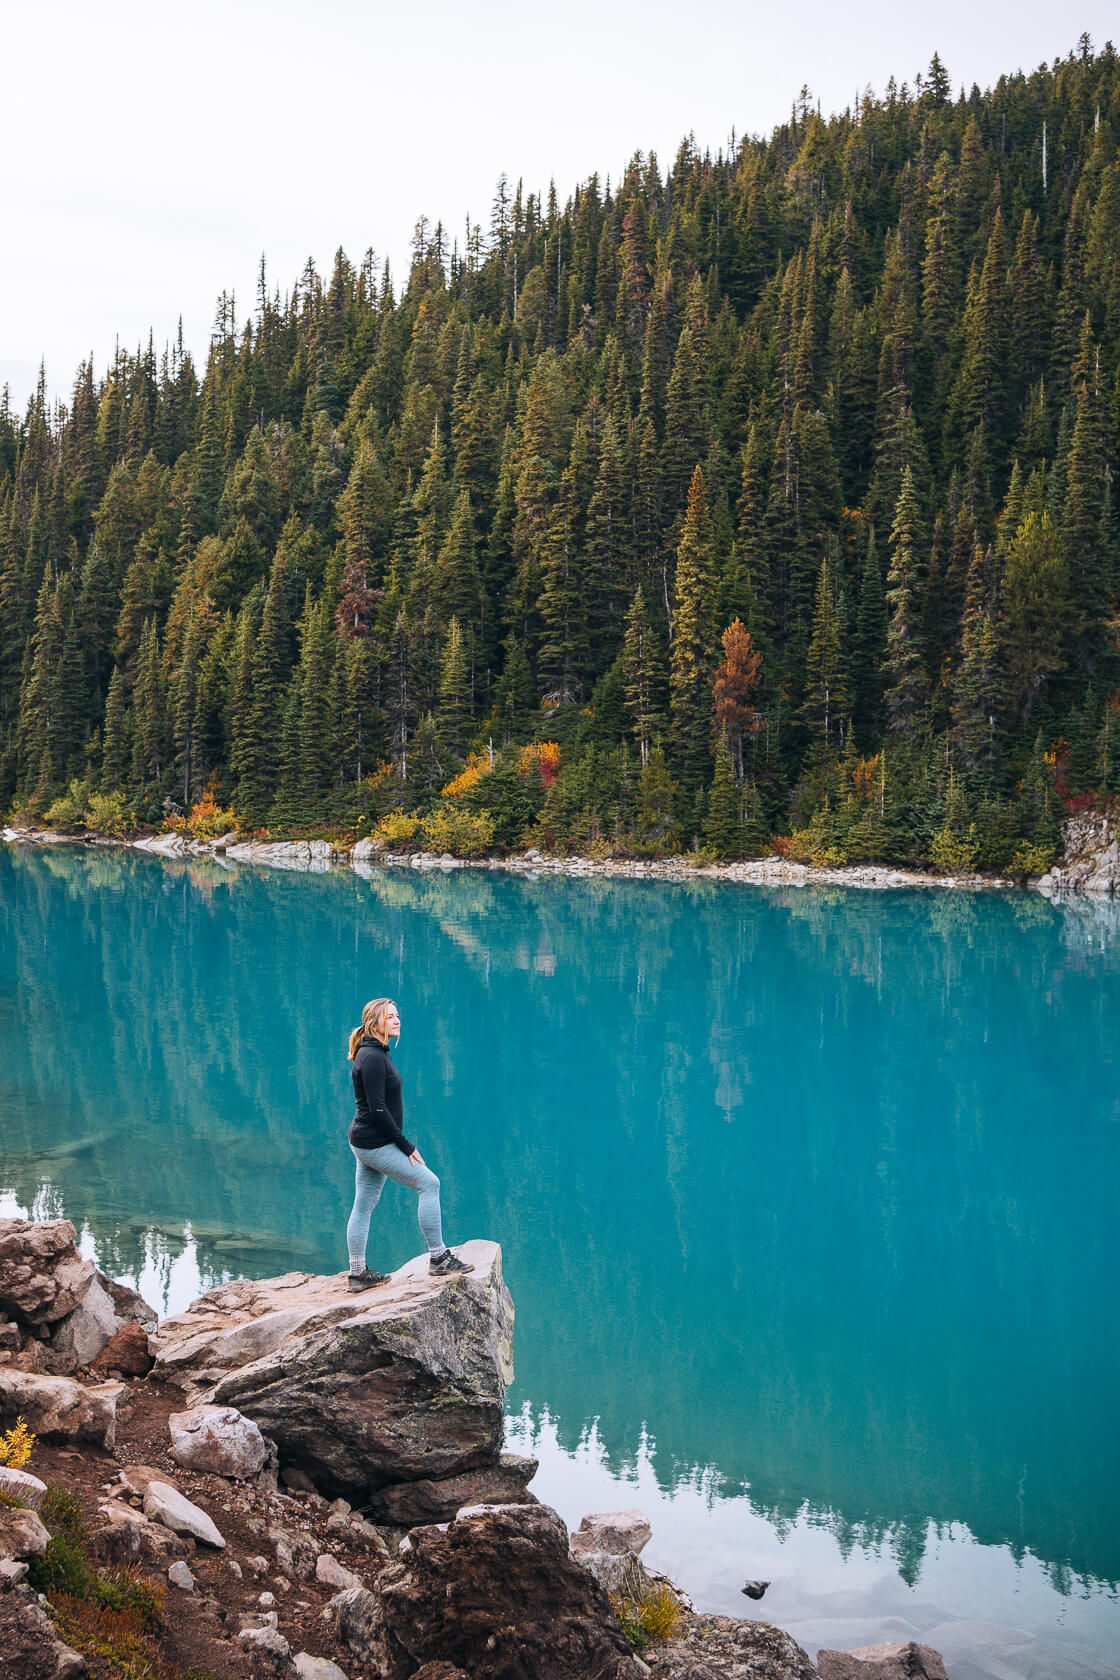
[
  {"x": 496, "y": 1594},
  {"x": 42, "y": 1275},
  {"x": 58, "y": 1409},
  {"x": 64, "y": 1311},
  {"x": 408, "y": 1503},
  {"x": 1090, "y": 857},
  {"x": 882, "y": 1662},
  {"x": 715, "y": 1647},
  {"x": 403, "y": 1383}
]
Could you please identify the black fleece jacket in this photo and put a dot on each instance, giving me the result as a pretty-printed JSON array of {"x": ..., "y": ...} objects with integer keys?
[{"x": 378, "y": 1109}]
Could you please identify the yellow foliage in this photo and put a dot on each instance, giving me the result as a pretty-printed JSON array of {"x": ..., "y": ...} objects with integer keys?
[
  {"x": 451, "y": 829},
  {"x": 477, "y": 766},
  {"x": 16, "y": 1445},
  {"x": 396, "y": 829},
  {"x": 208, "y": 820}
]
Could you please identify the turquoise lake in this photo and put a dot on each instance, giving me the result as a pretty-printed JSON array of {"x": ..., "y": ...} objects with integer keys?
[{"x": 807, "y": 1198}]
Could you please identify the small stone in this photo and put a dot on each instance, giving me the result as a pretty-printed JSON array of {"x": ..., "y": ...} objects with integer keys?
[
  {"x": 180, "y": 1576},
  {"x": 12, "y": 1574},
  {"x": 259, "y": 1619},
  {"x": 308, "y": 1667},
  {"x": 235, "y": 1569},
  {"x": 331, "y": 1573},
  {"x": 341, "y": 1507},
  {"x": 754, "y": 1589},
  {"x": 165, "y": 1504},
  {"x": 266, "y": 1600},
  {"x": 316, "y": 1668},
  {"x": 267, "y": 1641},
  {"x": 257, "y": 1566}
]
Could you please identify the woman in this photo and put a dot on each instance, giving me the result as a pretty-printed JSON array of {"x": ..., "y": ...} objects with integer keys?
[{"x": 381, "y": 1149}]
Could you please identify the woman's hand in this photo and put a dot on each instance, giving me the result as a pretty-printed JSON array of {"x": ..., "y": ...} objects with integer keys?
[{"x": 418, "y": 1158}]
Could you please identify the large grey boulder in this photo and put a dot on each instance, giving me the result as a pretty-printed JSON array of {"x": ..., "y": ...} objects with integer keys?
[
  {"x": 402, "y": 1383},
  {"x": 42, "y": 1275},
  {"x": 495, "y": 1593},
  {"x": 81, "y": 1335},
  {"x": 58, "y": 1409},
  {"x": 218, "y": 1441},
  {"x": 710, "y": 1647},
  {"x": 22, "y": 1534}
]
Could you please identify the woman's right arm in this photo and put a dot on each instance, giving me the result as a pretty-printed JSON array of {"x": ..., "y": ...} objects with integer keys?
[{"x": 373, "y": 1084}]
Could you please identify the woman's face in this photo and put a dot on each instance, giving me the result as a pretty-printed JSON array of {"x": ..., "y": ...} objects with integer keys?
[{"x": 391, "y": 1023}]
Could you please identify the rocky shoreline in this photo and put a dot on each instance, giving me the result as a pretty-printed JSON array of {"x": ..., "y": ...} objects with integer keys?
[
  {"x": 1090, "y": 862},
  {"x": 243, "y": 1531}
]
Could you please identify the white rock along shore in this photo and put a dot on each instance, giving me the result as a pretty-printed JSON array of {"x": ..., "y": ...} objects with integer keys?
[
  {"x": 319, "y": 855},
  {"x": 1090, "y": 864}
]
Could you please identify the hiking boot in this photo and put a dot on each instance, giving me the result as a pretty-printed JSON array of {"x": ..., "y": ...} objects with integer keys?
[
  {"x": 447, "y": 1264},
  {"x": 366, "y": 1280}
]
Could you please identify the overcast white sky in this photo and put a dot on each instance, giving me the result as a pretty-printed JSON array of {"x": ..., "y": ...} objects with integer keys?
[{"x": 154, "y": 150}]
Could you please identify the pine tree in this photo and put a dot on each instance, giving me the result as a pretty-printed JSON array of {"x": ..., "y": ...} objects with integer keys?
[
  {"x": 724, "y": 830},
  {"x": 453, "y": 718},
  {"x": 695, "y": 642},
  {"x": 826, "y": 706},
  {"x": 907, "y": 684},
  {"x": 149, "y": 710},
  {"x": 258, "y": 753},
  {"x": 870, "y": 649},
  {"x": 114, "y": 742},
  {"x": 643, "y": 675}
]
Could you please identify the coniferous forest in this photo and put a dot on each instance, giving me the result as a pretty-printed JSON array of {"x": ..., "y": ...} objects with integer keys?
[{"x": 765, "y": 500}]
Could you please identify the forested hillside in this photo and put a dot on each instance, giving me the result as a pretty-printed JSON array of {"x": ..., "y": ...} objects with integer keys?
[{"x": 771, "y": 495}]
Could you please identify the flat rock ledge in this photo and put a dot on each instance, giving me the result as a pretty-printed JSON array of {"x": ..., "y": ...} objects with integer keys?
[{"x": 402, "y": 1384}]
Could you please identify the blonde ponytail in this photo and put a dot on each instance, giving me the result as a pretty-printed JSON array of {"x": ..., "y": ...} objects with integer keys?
[{"x": 371, "y": 1019}]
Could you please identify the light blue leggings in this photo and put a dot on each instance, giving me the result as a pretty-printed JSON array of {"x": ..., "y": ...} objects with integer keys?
[{"x": 372, "y": 1167}]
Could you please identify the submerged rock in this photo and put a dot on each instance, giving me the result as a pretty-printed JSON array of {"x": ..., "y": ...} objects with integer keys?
[
  {"x": 404, "y": 1383},
  {"x": 892, "y": 1661}
]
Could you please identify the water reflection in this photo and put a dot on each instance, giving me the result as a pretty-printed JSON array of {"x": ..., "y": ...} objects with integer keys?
[{"x": 807, "y": 1194}]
